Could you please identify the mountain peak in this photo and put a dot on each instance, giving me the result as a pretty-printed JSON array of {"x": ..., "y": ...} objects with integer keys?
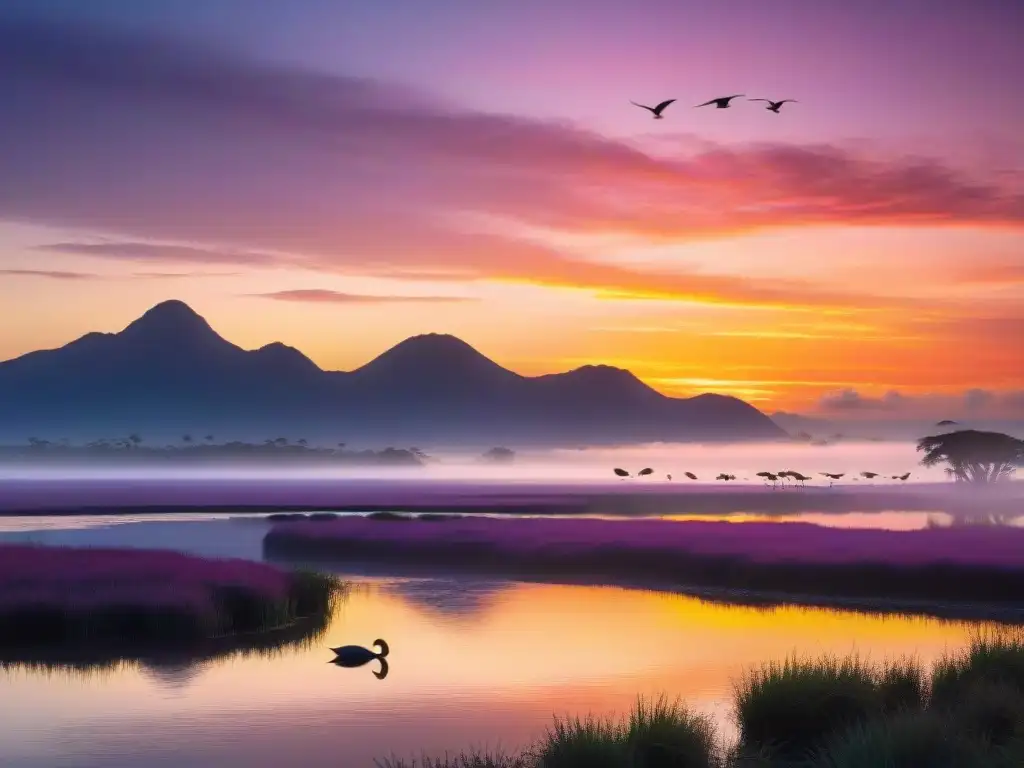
[
  {"x": 440, "y": 355},
  {"x": 285, "y": 355},
  {"x": 171, "y": 322}
]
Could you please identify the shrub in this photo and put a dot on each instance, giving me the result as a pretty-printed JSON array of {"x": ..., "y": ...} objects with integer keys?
[{"x": 787, "y": 709}]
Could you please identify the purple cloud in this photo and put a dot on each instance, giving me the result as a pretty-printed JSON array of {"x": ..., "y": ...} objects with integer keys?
[
  {"x": 165, "y": 141},
  {"x": 323, "y": 296}
]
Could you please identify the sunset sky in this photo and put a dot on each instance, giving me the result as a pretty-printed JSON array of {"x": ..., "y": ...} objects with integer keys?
[{"x": 339, "y": 176}]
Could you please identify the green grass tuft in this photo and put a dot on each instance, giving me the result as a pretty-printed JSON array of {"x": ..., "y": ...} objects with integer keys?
[
  {"x": 903, "y": 686},
  {"x": 906, "y": 740},
  {"x": 664, "y": 734},
  {"x": 996, "y": 656},
  {"x": 584, "y": 743},
  {"x": 788, "y": 709}
]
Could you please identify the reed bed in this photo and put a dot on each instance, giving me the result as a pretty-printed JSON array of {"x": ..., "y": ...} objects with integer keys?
[
  {"x": 811, "y": 713},
  {"x": 59, "y": 601},
  {"x": 984, "y": 565}
]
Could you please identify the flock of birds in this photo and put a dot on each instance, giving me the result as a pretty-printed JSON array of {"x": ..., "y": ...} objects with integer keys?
[
  {"x": 769, "y": 477},
  {"x": 723, "y": 102}
]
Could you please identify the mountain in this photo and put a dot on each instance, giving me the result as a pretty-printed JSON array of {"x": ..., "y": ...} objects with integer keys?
[{"x": 169, "y": 372}]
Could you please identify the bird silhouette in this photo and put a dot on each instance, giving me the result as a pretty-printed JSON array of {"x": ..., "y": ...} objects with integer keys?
[
  {"x": 869, "y": 475},
  {"x": 690, "y": 475},
  {"x": 620, "y": 472},
  {"x": 768, "y": 477},
  {"x": 655, "y": 110},
  {"x": 669, "y": 477},
  {"x": 357, "y": 656},
  {"x": 773, "y": 106},
  {"x": 721, "y": 103},
  {"x": 645, "y": 471},
  {"x": 832, "y": 476}
]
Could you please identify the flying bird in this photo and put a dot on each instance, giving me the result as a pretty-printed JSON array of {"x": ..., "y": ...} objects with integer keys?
[
  {"x": 832, "y": 476},
  {"x": 721, "y": 103},
  {"x": 655, "y": 110},
  {"x": 773, "y": 106}
]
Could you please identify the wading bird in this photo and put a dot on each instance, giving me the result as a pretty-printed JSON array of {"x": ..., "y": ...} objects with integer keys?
[
  {"x": 773, "y": 106},
  {"x": 655, "y": 110},
  {"x": 904, "y": 477},
  {"x": 769, "y": 476},
  {"x": 798, "y": 477},
  {"x": 869, "y": 475},
  {"x": 832, "y": 476},
  {"x": 645, "y": 471},
  {"x": 721, "y": 103},
  {"x": 725, "y": 477},
  {"x": 620, "y": 472},
  {"x": 690, "y": 475}
]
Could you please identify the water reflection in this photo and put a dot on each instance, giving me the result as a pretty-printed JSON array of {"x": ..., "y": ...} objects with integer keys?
[
  {"x": 380, "y": 674},
  {"x": 559, "y": 648},
  {"x": 450, "y": 598}
]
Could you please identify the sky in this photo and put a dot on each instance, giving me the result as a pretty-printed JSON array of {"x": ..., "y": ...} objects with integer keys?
[{"x": 340, "y": 176}]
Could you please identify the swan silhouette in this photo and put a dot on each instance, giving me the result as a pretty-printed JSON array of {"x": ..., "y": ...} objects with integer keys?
[{"x": 357, "y": 655}]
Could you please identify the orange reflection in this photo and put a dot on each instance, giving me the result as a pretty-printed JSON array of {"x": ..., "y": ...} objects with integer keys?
[{"x": 462, "y": 672}]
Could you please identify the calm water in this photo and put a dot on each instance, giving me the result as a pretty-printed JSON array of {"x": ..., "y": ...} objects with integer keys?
[{"x": 472, "y": 664}]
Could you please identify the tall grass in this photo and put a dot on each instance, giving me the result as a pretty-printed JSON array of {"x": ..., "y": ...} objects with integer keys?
[
  {"x": 67, "y": 599},
  {"x": 789, "y": 708},
  {"x": 907, "y": 740},
  {"x": 813, "y": 713},
  {"x": 990, "y": 657}
]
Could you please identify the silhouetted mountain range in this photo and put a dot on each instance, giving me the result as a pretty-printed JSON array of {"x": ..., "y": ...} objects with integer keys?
[{"x": 169, "y": 371}]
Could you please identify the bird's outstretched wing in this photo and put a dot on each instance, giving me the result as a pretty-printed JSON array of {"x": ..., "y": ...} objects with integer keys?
[
  {"x": 663, "y": 105},
  {"x": 706, "y": 103},
  {"x": 643, "y": 106},
  {"x": 786, "y": 100},
  {"x": 768, "y": 100}
]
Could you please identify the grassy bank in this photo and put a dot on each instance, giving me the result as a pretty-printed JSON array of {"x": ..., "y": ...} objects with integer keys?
[
  {"x": 966, "y": 712},
  {"x": 963, "y": 565},
  {"x": 67, "y": 603}
]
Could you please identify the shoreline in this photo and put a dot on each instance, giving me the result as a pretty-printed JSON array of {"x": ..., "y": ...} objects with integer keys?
[
  {"x": 84, "y": 496},
  {"x": 750, "y": 598}
]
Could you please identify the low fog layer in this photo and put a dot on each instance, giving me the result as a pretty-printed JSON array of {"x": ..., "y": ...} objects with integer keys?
[{"x": 584, "y": 465}]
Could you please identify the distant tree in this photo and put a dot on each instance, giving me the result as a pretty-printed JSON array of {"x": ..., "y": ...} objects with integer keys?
[
  {"x": 186, "y": 438},
  {"x": 134, "y": 438},
  {"x": 302, "y": 441},
  {"x": 342, "y": 445},
  {"x": 499, "y": 455},
  {"x": 973, "y": 456},
  {"x": 280, "y": 441},
  {"x": 209, "y": 438}
]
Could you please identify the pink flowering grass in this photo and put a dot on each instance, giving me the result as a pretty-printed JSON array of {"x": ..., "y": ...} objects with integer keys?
[
  {"x": 982, "y": 564},
  {"x": 56, "y": 596}
]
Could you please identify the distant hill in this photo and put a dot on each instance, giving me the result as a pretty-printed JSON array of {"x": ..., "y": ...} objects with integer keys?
[{"x": 170, "y": 372}]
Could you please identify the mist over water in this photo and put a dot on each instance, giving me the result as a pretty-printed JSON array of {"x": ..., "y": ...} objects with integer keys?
[{"x": 584, "y": 465}]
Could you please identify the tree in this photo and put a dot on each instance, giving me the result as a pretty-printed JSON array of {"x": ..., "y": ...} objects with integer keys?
[
  {"x": 973, "y": 456},
  {"x": 134, "y": 439}
]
